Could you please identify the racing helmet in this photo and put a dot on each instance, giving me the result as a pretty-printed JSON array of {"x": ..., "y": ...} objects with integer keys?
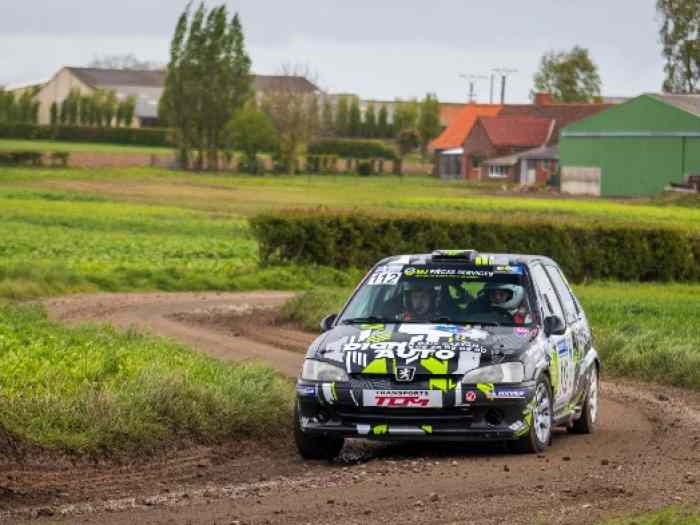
[
  {"x": 416, "y": 285},
  {"x": 515, "y": 295}
]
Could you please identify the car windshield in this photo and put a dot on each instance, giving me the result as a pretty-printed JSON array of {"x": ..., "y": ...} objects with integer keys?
[{"x": 442, "y": 293}]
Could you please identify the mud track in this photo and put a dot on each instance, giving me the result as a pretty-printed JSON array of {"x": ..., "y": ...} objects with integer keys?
[{"x": 645, "y": 454}]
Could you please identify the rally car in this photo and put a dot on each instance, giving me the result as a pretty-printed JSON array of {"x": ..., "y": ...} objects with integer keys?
[{"x": 454, "y": 345}]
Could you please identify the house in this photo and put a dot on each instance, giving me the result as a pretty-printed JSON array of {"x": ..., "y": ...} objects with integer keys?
[
  {"x": 457, "y": 159},
  {"x": 637, "y": 148},
  {"x": 493, "y": 137},
  {"x": 533, "y": 167},
  {"x": 146, "y": 86}
]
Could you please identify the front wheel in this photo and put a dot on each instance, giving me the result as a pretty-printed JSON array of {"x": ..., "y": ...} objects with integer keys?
[
  {"x": 589, "y": 413},
  {"x": 539, "y": 434},
  {"x": 315, "y": 447}
]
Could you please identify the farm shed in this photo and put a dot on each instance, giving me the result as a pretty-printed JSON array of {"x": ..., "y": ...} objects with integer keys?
[{"x": 635, "y": 149}]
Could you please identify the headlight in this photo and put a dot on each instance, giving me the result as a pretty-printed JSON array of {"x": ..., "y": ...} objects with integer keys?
[
  {"x": 505, "y": 373},
  {"x": 318, "y": 371}
]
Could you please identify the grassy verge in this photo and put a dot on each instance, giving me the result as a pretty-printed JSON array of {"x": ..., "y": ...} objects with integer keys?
[
  {"x": 643, "y": 331},
  {"x": 95, "y": 390},
  {"x": 670, "y": 516}
]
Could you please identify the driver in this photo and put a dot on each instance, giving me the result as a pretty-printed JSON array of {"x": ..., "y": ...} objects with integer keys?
[
  {"x": 511, "y": 298},
  {"x": 418, "y": 300}
]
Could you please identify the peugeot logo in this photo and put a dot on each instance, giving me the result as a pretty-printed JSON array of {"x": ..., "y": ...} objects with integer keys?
[{"x": 405, "y": 374}]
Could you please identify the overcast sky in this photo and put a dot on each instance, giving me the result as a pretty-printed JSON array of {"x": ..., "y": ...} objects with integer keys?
[{"x": 377, "y": 49}]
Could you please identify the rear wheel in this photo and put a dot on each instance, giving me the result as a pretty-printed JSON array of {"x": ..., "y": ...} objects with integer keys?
[
  {"x": 540, "y": 433},
  {"x": 589, "y": 413},
  {"x": 315, "y": 447}
]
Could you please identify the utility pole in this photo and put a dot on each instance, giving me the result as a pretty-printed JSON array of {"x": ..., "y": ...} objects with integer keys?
[
  {"x": 472, "y": 80},
  {"x": 504, "y": 72}
]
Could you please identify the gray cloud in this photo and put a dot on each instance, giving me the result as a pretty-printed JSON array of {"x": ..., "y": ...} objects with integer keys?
[{"x": 384, "y": 50}]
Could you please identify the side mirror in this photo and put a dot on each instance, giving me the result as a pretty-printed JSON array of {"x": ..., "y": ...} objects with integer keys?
[
  {"x": 327, "y": 322},
  {"x": 554, "y": 325}
]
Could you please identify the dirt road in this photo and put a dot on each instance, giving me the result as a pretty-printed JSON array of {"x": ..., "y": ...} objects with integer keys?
[{"x": 645, "y": 454}]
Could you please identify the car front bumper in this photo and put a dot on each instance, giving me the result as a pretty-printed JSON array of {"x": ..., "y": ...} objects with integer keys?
[{"x": 468, "y": 413}]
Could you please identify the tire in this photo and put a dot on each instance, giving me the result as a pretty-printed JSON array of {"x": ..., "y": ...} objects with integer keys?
[
  {"x": 585, "y": 424},
  {"x": 540, "y": 433},
  {"x": 315, "y": 447}
]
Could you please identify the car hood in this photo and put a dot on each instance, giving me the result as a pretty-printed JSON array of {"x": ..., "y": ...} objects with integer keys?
[{"x": 427, "y": 348}]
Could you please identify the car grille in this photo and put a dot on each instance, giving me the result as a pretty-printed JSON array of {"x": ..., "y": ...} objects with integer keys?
[{"x": 446, "y": 416}]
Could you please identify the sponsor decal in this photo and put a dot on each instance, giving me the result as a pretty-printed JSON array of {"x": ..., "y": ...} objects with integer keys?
[
  {"x": 384, "y": 278},
  {"x": 518, "y": 270},
  {"x": 306, "y": 390},
  {"x": 509, "y": 393},
  {"x": 470, "y": 396},
  {"x": 522, "y": 331},
  {"x": 391, "y": 350},
  {"x": 405, "y": 373},
  {"x": 454, "y": 273},
  {"x": 402, "y": 398}
]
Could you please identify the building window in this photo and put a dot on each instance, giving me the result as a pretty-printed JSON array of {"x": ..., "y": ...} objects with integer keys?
[{"x": 499, "y": 172}]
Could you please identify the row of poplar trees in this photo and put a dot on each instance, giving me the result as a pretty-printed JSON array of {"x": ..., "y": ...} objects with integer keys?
[{"x": 208, "y": 80}]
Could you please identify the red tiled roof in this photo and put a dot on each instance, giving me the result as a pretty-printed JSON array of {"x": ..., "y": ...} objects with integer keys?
[
  {"x": 462, "y": 124},
  {"x": 449, "y": 112},
  {"x": 517, "y": 131},
  {"x": 563, "y": 114}
]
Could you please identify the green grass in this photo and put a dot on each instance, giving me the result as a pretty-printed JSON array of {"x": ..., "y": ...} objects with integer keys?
[
  {"x": 244, "y": 195},
  {"x": 60, "y": 242},
  {"x": 642, "y": 331},
  {"x": 52, "y": 145},
  {"x": 95, "y": 390},
  {"x": 669, "y": 516}
]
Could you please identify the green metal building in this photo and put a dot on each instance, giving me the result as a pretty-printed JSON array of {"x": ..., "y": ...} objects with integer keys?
[{"x": 634, "y": 149}]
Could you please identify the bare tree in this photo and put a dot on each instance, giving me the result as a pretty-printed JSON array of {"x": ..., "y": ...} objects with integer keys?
[
  {"x": 293, "y": 108},
  {"x": 127, "y": 61}
]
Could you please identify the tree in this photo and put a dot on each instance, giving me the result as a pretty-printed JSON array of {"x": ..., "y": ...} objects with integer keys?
[
  {"x": 127, "y": 61},
  {"x": 569, "y": 76},
  {"x": 383, "y": 126},
  {"x": 251, "y": 131},
  {"x": 405, "y": 115},
  {"x": 429, "y": 121},
  {"x": 370, "y": 124},
  {"x": 109, "y": 109},
  {"x": 53, "y": 114},
  {"x": 208, "y": 79},
  {"x": 342, "y": 117},
  {"x": 680, "y": 38},
  {"x": 355, "y": 119},
  {"x": 327, "y": 121},
  {"x": 294, "y": 115},
  {"x": 128, "y": 108}
]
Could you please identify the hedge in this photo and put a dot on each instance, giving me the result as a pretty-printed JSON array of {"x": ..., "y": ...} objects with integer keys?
[
  {"x": 584, "y": 252},
  {"x": 352, "y": 149},
  {"x": 126, "y": 136}
]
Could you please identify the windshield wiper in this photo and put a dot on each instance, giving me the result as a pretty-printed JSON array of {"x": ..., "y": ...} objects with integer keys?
[{"x": 368, "y": 320}]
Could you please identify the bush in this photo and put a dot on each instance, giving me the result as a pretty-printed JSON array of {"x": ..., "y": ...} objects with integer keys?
[
  {"x": 625, "y": 253},
  {"x": 21, "y": 158},
  {"x": 352, "y": 149},
  {"x": 127, "y": 136},
  {"x": 364, "y": 169}
]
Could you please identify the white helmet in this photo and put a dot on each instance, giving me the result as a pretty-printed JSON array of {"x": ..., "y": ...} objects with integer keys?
[{"x": 515, "y": 291}]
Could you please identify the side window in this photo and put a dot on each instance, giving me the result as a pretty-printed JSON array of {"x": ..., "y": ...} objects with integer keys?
[
  {"x": 552, "y": 306},
  {"x": 567, "y": 300}
]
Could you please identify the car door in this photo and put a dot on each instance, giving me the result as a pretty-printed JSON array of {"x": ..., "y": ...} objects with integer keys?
[
  {"x": 575, "y": 318},
  {"x": 561, "y": 348}
]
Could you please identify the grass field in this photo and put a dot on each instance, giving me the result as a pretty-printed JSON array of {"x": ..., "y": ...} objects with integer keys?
[
  {"x": 95, "y": 390},
  {"x": 643, "y": 331},
  {"x": 51, "y": 145},
  {"x": 243, "y": 195}
]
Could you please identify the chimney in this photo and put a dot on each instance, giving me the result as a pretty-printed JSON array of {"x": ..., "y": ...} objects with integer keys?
[{"x": 543, "y": 99}]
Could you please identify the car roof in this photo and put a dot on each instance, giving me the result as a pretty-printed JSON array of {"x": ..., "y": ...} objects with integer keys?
[{"x": 498, "y": 258}]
